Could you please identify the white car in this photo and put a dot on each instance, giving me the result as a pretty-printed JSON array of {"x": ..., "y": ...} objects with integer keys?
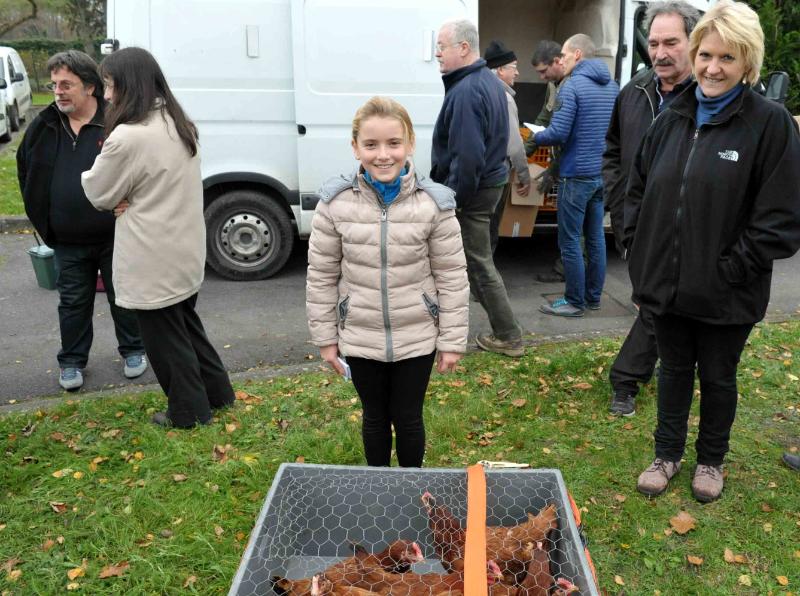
[
  {"x": 18, "y": 99},
  {"x": 5, "y": 130}
]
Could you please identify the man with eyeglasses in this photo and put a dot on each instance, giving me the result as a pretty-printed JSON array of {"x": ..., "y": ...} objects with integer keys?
[
  {"x": 470, "y": 143},
  {"x": 503, "y": 63},
  {"x": 61, "y": 143}
]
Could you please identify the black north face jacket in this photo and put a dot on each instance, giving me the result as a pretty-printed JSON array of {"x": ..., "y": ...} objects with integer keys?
[{"x": 708, "y": 210}]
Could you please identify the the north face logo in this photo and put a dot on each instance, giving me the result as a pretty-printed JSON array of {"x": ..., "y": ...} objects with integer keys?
[{"x": 730, "y": 155}]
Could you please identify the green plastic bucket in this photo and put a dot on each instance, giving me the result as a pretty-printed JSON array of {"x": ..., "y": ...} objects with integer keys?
[{"x": 43, "y": 266}]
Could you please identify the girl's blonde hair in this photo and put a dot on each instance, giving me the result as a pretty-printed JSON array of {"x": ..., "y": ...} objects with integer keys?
[
  {"x": 739, "y": 27},
  {"x": 384, "y": 107}
]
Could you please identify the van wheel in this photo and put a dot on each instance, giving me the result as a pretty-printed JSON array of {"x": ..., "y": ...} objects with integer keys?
[
  {"x": 13, "y": 118},
  {"x": 248, "y": 234},
  {"x": 6, "y": 136}
]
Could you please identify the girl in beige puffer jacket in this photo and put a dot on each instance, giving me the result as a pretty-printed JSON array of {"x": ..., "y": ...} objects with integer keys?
[{"x": 387, "y": 281}]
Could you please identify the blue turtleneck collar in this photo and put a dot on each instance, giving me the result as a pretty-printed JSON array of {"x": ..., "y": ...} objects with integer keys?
[
  {"x": 387, "y": 190},
  {"x": 708, "y": 107}
]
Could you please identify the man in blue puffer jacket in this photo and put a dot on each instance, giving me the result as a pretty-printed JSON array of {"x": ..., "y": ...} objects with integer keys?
[{"x": 580, "y": 120}]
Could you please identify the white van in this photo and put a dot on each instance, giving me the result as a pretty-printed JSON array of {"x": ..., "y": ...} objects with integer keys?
[
  {"x": 273, "y": 86},
  {"x": 18, "y": 100},
  {"x": 5, "y": 130}
]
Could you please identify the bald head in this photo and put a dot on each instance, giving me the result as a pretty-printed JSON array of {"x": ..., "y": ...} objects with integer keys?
[{"x": 578, "y": 47}]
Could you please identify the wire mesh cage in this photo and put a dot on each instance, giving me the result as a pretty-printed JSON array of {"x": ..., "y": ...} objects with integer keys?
[{"x": 400, "y": 531}]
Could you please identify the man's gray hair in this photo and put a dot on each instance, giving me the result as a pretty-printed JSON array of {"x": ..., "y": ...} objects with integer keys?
[
  {"x": 464, "y": 30},
  {"x": 582, "y": 42},
  {"x": 687, "y": 12}
]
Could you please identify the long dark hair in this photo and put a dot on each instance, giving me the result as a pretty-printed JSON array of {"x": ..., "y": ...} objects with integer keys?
[{"x": 139, "y": 84}]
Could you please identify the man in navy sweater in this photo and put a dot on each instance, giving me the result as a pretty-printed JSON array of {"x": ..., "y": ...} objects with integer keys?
[
  {"x": 580, "y": 120},
  {"x": 470, "y": 142}
]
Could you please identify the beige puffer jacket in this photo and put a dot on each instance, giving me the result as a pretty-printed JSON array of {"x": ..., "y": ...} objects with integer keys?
[{"x": 387, "y": 283}]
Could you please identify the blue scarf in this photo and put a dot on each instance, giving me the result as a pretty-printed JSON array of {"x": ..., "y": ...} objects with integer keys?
[
  {"x": 388, "y": 191},
  {"x": 708, "y": 107}
]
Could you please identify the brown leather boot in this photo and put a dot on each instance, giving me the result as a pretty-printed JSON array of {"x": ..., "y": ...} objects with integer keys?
[
  {"x": 707, "y": 483},
  {"x": 653, "y": 481}
]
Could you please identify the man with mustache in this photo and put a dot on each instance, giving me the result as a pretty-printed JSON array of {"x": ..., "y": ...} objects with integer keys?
[{"x": 639, "y": 103}]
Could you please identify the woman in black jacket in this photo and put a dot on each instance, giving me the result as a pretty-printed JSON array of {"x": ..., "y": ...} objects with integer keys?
[{"x": 713, "y": 199}]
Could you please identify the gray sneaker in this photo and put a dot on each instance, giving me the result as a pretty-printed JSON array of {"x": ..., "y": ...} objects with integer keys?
[
  {"x": 623, "y": 404},
  {"x": 561, "y": 308},
  {"x": 653, "y": 481},
  {"x": 70, "y": 378},
  {"x": 707, "y": 483},
  {"x": 135, "y": 366},
  {"x": 791, "y": 460},
  {"x": 490, "y": 343}
]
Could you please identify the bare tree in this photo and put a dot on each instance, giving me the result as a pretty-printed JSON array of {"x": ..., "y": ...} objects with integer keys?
[
  {"x": 16, "y": 21},
  {"x": 87, "y": 19}
]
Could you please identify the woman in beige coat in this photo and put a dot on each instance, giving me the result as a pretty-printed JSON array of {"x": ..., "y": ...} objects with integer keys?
[
  {"x": 387, "y": 281},
  {"x": 148, "y": 174}
]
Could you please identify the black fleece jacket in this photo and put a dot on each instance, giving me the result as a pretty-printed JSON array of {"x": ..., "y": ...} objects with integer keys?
[
  {"x": 50, "y": 161},
  {"x": 708, "y": 210}
]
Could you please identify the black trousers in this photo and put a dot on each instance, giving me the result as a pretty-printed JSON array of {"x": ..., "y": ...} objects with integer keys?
[
  {"x": 391, "y": 395},
  {"x": 714, "y": 350},
  {"x": 637, "y": 357},
  {"x": 76, "y": 279},
  {"x": 185, "y": 363}
]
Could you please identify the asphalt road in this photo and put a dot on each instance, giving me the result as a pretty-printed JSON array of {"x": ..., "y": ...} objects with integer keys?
[{"x": 262, "y": 325}]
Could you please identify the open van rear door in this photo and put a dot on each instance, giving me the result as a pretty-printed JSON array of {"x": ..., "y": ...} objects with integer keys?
[{"x": 345, "y": 52}]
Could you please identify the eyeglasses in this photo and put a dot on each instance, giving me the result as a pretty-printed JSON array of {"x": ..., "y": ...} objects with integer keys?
[
  {"x": 63, "y": 85},
  {"x": 440, "y": 48}
]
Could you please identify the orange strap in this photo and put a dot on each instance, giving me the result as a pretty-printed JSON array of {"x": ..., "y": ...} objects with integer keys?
[{"x": 475, "y": 583}]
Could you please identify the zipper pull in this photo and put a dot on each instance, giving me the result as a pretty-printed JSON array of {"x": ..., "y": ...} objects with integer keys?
[
  {"x": 696, "y": 134},
  {"x": 74, "y": 142},
  {"x": 383, "y": 214}
]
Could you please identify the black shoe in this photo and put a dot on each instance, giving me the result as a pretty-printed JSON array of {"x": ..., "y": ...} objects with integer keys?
[
  {"x": 623, "y": 404},
  {"x": 550, "y": 277},
  {"x": 161, "y": 419},
  {"x": 793, "y": 461}
]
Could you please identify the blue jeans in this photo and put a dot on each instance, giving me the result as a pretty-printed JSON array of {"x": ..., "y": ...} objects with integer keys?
[{"x": 580, "y": 211}]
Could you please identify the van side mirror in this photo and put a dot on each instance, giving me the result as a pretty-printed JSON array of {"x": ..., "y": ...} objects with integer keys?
[
  {"x": 17, "y": 77},
  {"x": 3, "y": 83},
  {"x": 109, "y": 46},
  {"x": 777, "y": 86}
]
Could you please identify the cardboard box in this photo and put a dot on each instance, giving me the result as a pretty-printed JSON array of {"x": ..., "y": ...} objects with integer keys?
[
  {"x": 534, "y": 196},
  {"x": 517, "y": 220}
]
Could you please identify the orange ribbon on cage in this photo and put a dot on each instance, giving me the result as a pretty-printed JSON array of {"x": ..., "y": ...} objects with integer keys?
[{"x": 475, "y": 581}]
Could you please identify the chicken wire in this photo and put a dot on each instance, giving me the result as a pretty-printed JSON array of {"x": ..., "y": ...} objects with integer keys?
[{"x": 313, "y": 514}]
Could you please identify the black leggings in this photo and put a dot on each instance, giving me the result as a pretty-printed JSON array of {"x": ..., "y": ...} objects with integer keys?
[{"x": 392, "y": 394}]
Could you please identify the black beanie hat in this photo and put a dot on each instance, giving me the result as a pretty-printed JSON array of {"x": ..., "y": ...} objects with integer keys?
[{"x": 497, "y": 55}]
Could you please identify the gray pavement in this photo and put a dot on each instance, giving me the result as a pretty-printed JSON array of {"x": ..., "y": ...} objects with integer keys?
[{"x": 260, "y": 327}]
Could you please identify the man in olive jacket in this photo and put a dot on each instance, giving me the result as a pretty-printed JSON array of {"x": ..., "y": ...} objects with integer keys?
[
  {"x": 639, "y": 103},
  {"x": 61, "y": 143}
]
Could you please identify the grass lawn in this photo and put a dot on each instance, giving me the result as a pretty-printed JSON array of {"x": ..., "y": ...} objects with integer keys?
[
  {"x": 42, "y": 99},
  {"x": 88, "y": 485},
  {"x": 10, "y": 199}
]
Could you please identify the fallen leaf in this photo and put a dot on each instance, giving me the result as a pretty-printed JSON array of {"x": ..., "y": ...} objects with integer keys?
[
  {"x": 620, "y": 498},
  {"x": 114, "y": 570},
  {"x": 10, "y": 564},
  {"x": 545, "y": 450},
  {"x": 628, "y": 426},
  {"x": 783, "y": 580},
  {"x": 166, "y": 533},
  {"x": 618, "y": 580},
  {"x": 14, "y": 575},
  {"x": 456, "y": 383},
  {"x": 190, "y": 581},
  {"x": 48, "y": 544},
  {"x": 145, "y": 542},
  {"x": 768, "y": 528},
  {"x": 240, "y": 536},
  {"x": 584, "y": 387},
  {"x": 60, "y": 540},
  {"x": 230, "y": 427},
  {"x": 519, "y": 403},
  {"x": 75, "y": 573},
  {"x": 111, "y": 434},
  {"x": 77, "y": 475},
  {"x": 744, "y": 580},
  {"x": 58, "y": 506},
  {"x": 694, "y": 560},
  {"x": 682, "y": 523},
  {"x": 179, "y": 477},
  {"x": 218, "y": 530},
  {"x": 300, "y": 459},
  {"x": 57, "y": 436},
  {"x": 485, "y": 379},
  {"x": 766, "y": 508},
  {"x": 72, "y": 586}
]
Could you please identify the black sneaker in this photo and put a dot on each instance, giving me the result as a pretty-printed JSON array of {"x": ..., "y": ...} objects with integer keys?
[{"x": 623, "y": 404}]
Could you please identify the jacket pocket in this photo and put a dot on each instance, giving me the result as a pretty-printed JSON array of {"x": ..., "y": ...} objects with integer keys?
[
  {"x": 433, "y": 308},
  {"x": 343, "y": 308}
]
